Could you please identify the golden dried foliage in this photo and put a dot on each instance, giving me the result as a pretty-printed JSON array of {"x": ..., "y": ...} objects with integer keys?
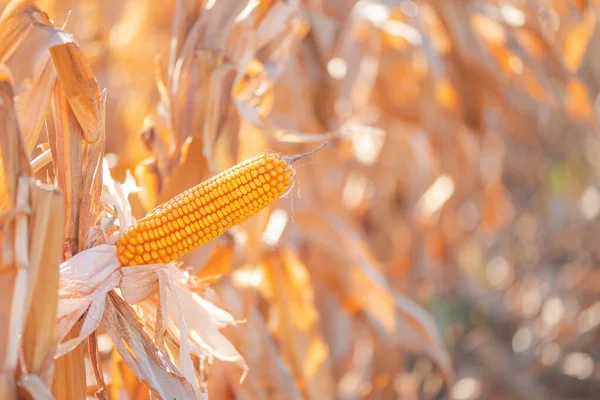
[{"x": 460, "y": 177}]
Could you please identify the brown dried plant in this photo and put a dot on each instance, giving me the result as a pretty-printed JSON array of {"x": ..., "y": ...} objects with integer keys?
[{"x": 460, "y": 176}]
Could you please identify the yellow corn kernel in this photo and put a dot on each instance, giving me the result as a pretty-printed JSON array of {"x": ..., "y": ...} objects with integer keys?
[{"x": 203, "y": 212}]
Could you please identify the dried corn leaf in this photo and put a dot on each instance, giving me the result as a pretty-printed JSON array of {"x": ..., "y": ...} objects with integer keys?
[
  {"x": 219, "y": 260},
  {"x": 268, "y": 375},
  {"x": 15, "y": 158},
  {"x": 45, "y": 256},
  {"x": 186, "y": 14},
  {"x": 356, "y": 272},
  {"x": 26, "y": 36},
  {"x": 147, "y": 362},
  {"x": 15, "y": 281},
  {"x": 32, "y": 105},
  {"x": 577, "y": 41},
  {"x": 124, "y": 383},
  {"x": 297, "y": 324},
  {"x": 91, "y": 186},
  {"x": 578, "y": 102},
  {"x": 64, "y": 136},
  {"x": 80, "y": 88}
]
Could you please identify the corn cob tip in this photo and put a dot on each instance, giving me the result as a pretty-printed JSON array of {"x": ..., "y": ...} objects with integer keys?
[{"x": 296, "y": 157}]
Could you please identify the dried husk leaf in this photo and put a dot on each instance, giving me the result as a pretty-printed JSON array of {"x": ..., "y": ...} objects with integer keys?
[
  {"x": 147, "y": 362},
  {"x": 577, "y": 41}
]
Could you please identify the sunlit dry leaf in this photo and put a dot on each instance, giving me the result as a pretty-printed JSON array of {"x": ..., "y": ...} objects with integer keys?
[
  {"x": 27, "y": 35},
  {"x": 489, "y": 29},
  {"x": 15, "y": 158},
  {"x": 393, "y": 314},
  {"x": 14, "y": 259},
  {"x": 45, "y": 256},
  {"x": 186, "y": 14},
  {"x": 148, "y": 177},
  {"x": 124, "y": 382},
  {"x": 219, "y": 261},
  {"x": 268, "y": 375},
  {"x": 65, "y": 138},
  {"x": 578, "y": 40},
  {"x": 446, "y": 95},
  {"x": 297, "y": 324},
  {"x": 91, "y": 186},
  {"x": 218, "y": 92},
  {"x": 32, "y": 105},
  {"x": 80, "y": 88},
  {"x": 577, "y": 100},
  {"x": 136, "y": 348}
]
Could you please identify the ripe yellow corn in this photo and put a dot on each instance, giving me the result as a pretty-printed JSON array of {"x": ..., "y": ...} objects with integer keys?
[{"x": 205, "y": 211}]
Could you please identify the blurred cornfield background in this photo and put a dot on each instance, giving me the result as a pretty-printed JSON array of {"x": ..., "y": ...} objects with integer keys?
[{"x": 458, "y": 195}]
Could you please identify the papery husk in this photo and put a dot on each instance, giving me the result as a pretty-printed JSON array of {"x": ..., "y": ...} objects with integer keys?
[
  {"x": 189, "y": 320},
  {"x": 137, "y": 349}
]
